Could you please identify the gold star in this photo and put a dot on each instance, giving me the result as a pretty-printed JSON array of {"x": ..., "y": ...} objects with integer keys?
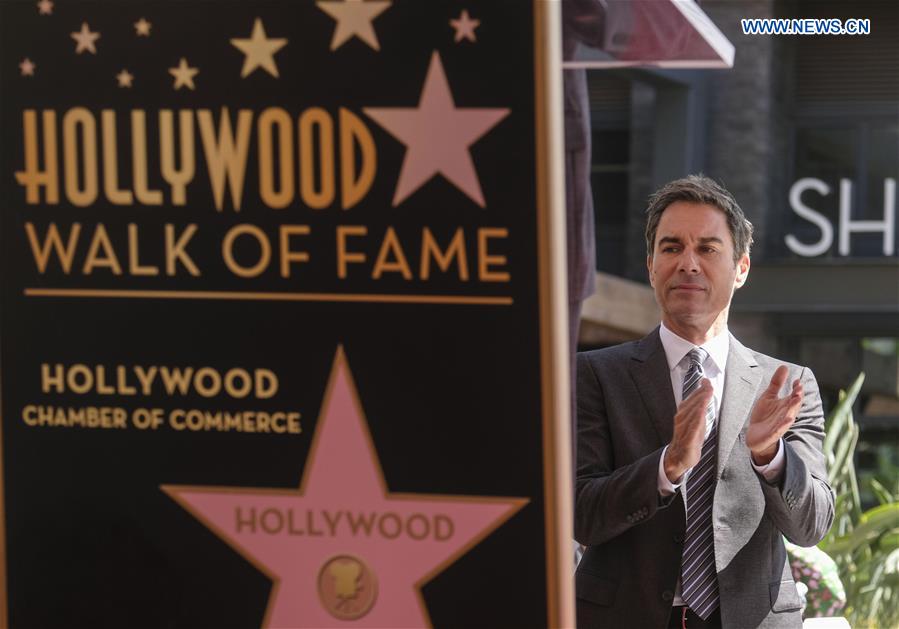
[
  {"x": 85, "y": 39},
  {"x": 259, "y": 50},
  {"x": 184, "y": 74},
  {"x": 354, "y": 18},
  {"x": 27, "y": 67},
  {"x": 142, "y": 27},
  {"x": 465, "y": 26},
  {"x": 124, "y": 78},
  {"x": 45, "y": 7}
]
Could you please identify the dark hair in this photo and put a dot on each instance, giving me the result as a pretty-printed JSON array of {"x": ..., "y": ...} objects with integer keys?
[{"x": 699, "y": 189}]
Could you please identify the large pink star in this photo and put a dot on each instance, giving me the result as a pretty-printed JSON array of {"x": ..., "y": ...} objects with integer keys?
[
  {"x": 301, "y": 539},
  {"x": 437, "y": 136}
]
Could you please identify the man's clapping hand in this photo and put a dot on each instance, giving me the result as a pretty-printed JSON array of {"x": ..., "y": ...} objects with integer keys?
[
  {"x": 689, "y": 432},
  {"x": 771, "y": 417}
]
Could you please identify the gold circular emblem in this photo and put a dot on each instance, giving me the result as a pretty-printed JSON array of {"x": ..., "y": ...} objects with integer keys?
[{"x": 347, "y": 587}]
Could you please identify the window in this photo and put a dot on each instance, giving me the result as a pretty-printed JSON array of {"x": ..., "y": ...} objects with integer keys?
[
  {"x": 845, "y": 140},
  {"x": 848, "y": 164},
  {"x": 609, "y": 174},
  {"x": 610, "y": 167}
]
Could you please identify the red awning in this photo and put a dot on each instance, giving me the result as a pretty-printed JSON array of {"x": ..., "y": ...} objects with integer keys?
[{"x": 658, "y": 33}]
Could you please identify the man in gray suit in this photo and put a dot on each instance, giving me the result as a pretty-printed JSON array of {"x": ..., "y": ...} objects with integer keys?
[{"x": 695, "y": 454}]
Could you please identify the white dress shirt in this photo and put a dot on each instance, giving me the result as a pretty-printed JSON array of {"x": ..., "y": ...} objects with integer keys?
[{"x": 717, "y": 348}]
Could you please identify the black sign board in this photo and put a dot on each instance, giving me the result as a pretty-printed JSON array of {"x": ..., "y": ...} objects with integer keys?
[{"x": 279, "y": 327}]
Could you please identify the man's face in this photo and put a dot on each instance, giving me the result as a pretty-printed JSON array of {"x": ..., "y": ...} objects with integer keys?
[{"x": 692, "y": 267}]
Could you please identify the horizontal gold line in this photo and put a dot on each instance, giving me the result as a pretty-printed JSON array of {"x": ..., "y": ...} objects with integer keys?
[{"x": 266, "y": 296}]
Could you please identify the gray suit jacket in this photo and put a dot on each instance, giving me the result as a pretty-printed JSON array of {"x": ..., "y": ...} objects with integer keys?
[{"x": 634, "y": 538}]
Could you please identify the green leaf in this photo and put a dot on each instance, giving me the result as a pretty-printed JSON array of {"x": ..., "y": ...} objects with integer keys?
[
  {"x": 880, "y": 492},
  {"x": 871, "y": 525},
  {"x": 856, "y": 503},
  {"x": 840, "y": 414},
  {"x": 889, "y": 541},
  {"x": 844, "y": 447}
]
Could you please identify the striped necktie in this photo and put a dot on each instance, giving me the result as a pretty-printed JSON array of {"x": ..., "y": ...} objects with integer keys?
[{"x": 699, "y": 579}]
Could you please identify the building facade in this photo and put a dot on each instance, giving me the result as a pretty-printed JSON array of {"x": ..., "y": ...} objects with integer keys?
[{"x": 804, "y": 131}]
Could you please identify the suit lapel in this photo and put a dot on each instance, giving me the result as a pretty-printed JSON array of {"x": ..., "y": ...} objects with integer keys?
[
  {"x": 741, "y": 381},
  {"x": 649, "y": 369}
]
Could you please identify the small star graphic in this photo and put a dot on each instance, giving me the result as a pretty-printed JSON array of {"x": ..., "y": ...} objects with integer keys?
[
  {"x": 45, "y": 7},
  {"x": 437, "y": 135},
  {"x": 124, "y": 78},
  {"x": 85, "y": 39},
  {"x": 27, "y": 67},
  {"x": 259, "y": 50},
  {"x": 184, "y": 74},
  {"x": 142, "y": 27},
  {"x": 465, "y": 26},
  {"x": 354, "y": 18}
]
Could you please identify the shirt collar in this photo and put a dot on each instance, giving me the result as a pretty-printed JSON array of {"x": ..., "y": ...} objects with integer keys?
[{"x": 676, "y": 347}]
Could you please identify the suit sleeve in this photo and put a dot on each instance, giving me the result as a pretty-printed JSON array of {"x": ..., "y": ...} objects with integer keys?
[
  {"x": 801, "y": 503},
  {"x": 609, "y": 500}
]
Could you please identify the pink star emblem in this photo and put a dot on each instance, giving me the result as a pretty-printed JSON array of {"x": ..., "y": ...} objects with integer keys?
[
  {"x": 437, "y": 136},
  {"x": 342, "y": 546},
  {"x": 464, "y": 27},
  {"x": 27, "y": 67}
]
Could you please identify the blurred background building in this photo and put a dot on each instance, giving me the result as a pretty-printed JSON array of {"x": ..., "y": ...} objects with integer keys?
[{"x": 804, "y": 131}]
